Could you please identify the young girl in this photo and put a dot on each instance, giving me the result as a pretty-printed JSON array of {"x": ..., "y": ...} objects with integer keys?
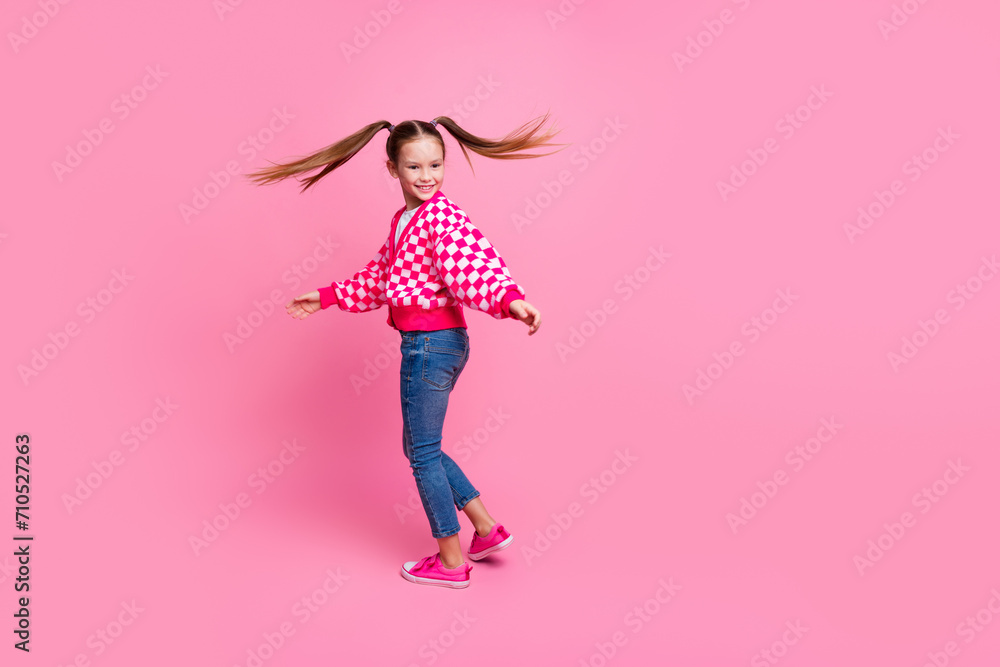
[{"x": 433, "y": 263}]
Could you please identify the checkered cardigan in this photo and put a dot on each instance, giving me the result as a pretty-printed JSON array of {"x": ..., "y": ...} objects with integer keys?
[{"x": 442, "y": 263}]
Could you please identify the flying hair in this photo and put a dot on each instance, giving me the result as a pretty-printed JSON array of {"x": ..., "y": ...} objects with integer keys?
[{"x": 514, "y": 146}]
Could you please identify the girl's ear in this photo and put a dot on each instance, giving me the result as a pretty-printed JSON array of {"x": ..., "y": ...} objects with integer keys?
[{"x": 392, "y": 168}]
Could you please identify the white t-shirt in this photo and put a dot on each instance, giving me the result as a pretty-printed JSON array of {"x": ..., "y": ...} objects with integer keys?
[{"x": 403, "y": 221}]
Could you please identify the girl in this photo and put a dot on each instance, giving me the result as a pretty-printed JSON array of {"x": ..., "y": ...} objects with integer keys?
[{"x": 433, "y": 263}]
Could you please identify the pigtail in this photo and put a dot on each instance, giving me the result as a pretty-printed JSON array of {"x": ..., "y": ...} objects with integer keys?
[
  {"x": 326, "y": 160},
  {"x": 528, "y": 136}
]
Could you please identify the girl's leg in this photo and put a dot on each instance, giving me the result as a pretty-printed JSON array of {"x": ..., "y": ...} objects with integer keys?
[
  {"x": 450, "y": 549},
  {"x": 431, "y": 362},
  {"x": 480, "y": 518}
]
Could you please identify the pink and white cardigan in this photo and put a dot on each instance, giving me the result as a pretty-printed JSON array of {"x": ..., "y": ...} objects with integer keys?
[{"x": 442, "y": 263}]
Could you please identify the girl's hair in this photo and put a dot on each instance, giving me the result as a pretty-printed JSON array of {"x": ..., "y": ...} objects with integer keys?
[{"x": 528, "y": 136}]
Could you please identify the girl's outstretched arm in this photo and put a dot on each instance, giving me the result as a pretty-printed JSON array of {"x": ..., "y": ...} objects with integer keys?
[
  {"x": 527, "y": 313},
  {"x": 365, "y": 291},
  {"x": 303, "y": 306}
]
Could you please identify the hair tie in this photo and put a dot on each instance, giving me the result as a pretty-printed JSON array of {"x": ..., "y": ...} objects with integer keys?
[{"x": 434, "y": 123}]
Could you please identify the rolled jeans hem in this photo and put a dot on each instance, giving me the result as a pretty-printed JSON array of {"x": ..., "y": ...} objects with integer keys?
[
  {"x": 460, "y": 504},
  {"x": 446, "y": 534}
]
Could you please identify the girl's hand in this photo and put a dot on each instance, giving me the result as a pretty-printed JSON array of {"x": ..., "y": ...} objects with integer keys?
[
  {"x": 303, "y": 306},
  {"x": 527, "y": 313}
]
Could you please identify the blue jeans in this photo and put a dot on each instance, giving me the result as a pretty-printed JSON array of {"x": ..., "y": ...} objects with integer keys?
[{"x": 430, "y": 366}]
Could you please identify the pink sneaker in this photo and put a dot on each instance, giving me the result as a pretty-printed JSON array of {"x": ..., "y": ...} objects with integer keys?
[
  {"x": 430, "y": 570},
  {"x": 497, "y": 539}
]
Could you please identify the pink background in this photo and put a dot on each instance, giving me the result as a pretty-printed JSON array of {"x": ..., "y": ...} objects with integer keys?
[{"x": 650, "y": 140}]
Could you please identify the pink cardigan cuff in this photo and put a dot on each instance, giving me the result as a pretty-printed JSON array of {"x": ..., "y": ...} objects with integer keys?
[
  {"x": 327, "y": 297},
  {"x": 511, "y": 295}
]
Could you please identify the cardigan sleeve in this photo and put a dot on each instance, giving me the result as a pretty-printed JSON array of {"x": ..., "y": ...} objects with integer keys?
[
  {"x": 472, "y": 269},
  {"x": 365, "y": 291}
]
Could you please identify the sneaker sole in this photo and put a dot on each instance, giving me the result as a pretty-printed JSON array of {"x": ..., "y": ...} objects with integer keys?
[
  {"x": 433, "y": 582},
  {"x": 496, "y": 547}
]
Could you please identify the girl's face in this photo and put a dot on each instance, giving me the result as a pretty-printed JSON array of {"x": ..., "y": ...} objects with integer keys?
[{"x": 420, "y": 170}]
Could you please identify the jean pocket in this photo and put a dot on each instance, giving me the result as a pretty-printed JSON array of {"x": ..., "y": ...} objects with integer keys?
[{"x": 443, "y": 362}]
